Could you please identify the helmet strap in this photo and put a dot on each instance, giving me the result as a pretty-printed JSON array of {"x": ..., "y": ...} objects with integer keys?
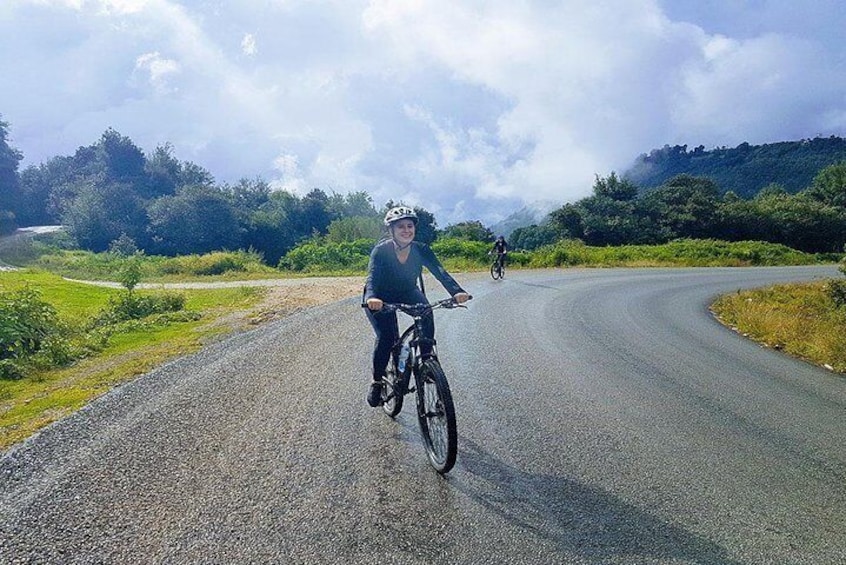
[{"x": 399, "y": 247}]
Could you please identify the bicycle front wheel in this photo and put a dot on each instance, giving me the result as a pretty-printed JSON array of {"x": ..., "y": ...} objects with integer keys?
[
  {"x": 495, "y": 272},
  {"x": 436, "y": 415}
]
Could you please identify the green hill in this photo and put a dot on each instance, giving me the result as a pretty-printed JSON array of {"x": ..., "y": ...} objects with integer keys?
[{"x": 745, "y": 169}]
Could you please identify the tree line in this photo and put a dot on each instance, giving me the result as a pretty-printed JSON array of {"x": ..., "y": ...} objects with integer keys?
[
  {"x": 111, "y": 195},
  {"x": 686, "y": 206}
]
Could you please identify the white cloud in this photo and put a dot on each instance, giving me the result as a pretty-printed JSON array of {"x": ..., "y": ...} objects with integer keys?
[
  {"x": 117, "y": 7},
  {"x": 158, "y": 69},
  {"x": 758, "y": 89},
  {"x": 290, "y": 177},
  {"x": 461, "y": 106},
  {"x": 248, "y": 45}
]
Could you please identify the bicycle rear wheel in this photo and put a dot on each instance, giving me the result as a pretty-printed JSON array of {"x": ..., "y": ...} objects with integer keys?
[
  {"x": 436, "y": 416},
  {"x": 391, "y": 393}
]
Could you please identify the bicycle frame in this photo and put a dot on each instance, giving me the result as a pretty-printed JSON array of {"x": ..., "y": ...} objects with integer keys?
[
  {"x": 415, "y": 335},
  {"x": 435, "y": 407}
]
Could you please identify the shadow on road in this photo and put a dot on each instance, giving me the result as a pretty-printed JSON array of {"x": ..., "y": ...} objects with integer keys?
[{"x": 578, "y": 519}]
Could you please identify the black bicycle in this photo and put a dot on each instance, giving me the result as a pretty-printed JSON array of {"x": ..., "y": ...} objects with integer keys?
[
  {"x": 498, "y": 266},
  {"x": 435, "y": 408}
]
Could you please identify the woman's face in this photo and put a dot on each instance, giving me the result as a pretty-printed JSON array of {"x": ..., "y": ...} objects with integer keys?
[{"x": 403, "y": 231}]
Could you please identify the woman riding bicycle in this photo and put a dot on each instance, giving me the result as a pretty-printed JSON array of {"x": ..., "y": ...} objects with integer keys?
[
  {"x": 500, "y": 247},
  {"x": 395, "y": 266}
]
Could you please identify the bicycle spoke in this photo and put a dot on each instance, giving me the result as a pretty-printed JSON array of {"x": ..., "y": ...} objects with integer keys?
[{"x": 436, "y": 415}]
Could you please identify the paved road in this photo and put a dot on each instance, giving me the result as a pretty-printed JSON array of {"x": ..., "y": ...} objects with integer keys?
[{"x": 604, "y": 417}]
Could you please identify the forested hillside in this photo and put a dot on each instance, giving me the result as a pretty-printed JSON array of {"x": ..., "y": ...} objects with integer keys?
[
  {"x": 745, "y": 169},
  {"x": 112, "y": 196}
]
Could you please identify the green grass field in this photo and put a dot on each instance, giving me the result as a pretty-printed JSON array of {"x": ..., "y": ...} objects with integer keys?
[{"x": 28, "y": 404}]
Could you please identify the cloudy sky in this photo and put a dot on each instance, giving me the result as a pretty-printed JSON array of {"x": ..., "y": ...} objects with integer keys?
[{"x": 469, "y": 108}]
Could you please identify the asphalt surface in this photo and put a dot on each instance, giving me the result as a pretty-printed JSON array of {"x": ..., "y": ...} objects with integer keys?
[{"x": 604, "y": 417}]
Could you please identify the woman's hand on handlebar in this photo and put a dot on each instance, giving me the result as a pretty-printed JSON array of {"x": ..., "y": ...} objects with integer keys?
[
  {"x": 374, "y": 304},
  {"x": 461, "y": 297}
]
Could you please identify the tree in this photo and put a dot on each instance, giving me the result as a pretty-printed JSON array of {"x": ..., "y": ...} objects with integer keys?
[
  {"x": 351, "y": 205},
  {"x": 36, "y": 187},
  {"x": 745, "y": 169},
  {"x": 121, "y": 160},
  {"x": 353, "y": 228},
  {"x": 197, "y": 219},
  {"x": 606, "y": 221},
  {"x": 798, "y": 221},
  {"x": 532, "y": 237},
  {"x": 739, "y": 220},
  {"x": 427, "y": 227},
  {"x": 614, "y": 188},
  {"x": 10, "y": 195},
  {"x": 51, "y": 187},
  {"x": 829, "y": 186},
  {"x": 192, "y": 174},
  {"x": 567, "y": 221},
  {"x": 163, "y": 172},
  {"x": 684, "y": 206},
  {"x": 102, "y": 212},
  {"x": 249, "y": 195},
  {"x": 269, "y": 229},
  {"x": 472, "y": 230},
  {"x": 801, "y": 222},
  {"x": 313, "y": 216}
]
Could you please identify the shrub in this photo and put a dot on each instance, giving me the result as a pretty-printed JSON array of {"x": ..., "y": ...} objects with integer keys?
[
  {"x": 124, "y": 246},
  {"x": 130, "y": 306},
  {"x": 682, "y": 252},
  {"x": 836, "y": 290},
  {"x": 10, "y": 369},
  {"x": 129, "y": 274},
  {"x": 451, "y": 247},
  {"x": 216, "y": 263},
  {"x": 25, "y": 320},
  {"x": 316, "y": 255},
  {"x": 26, "y": 324}
]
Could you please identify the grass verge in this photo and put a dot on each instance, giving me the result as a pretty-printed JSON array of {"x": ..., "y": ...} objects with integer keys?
[
  {"x": 30, "y": 403},
  {"x": 800, "y": 319}
]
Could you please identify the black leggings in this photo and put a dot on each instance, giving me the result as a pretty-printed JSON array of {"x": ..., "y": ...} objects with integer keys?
[{"x": 387, "y": 332}]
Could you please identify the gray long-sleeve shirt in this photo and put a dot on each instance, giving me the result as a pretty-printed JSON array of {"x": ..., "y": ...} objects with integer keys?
[{"x": 392, "y": 281}]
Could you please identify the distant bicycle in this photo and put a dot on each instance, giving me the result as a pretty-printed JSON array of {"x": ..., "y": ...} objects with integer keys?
[
  {"x": 435, "y": 408},
  {"x": 498, "y": 266}
]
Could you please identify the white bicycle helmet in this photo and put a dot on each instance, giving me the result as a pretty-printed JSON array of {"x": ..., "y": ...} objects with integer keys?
[{"x": 400, "y": 213}]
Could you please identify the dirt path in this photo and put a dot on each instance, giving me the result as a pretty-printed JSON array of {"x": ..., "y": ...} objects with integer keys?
[
  {"x": 293, "y": 295},
  {"x": 282, "y": 298}
]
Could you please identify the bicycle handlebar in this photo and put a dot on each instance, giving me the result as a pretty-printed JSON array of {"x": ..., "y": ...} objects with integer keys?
[{"x": 421, "y": 308}]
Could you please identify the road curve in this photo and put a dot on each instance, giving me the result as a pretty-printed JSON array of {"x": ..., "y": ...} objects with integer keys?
[{"x": 604, "y": 417}]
